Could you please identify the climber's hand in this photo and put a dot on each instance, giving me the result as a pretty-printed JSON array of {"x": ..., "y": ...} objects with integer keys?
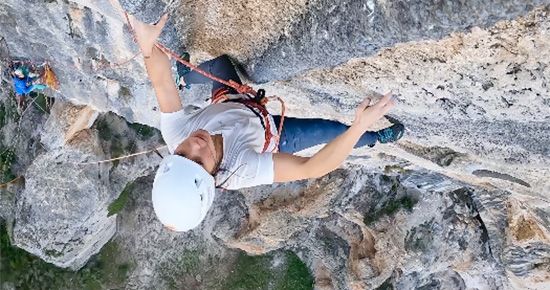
[
  {"x": 366, "y": 116},
  {"x": 147, "y": 34}
]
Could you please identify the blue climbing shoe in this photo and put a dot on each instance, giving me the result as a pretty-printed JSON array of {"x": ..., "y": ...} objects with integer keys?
[
  {"x": 182, "y": 70},
  {"x": 391, "y": 134}
]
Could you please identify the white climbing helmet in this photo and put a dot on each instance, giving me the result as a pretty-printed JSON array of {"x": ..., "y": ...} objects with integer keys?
[
  {"x": 182, "y": 193},
  {"x": 18, "y": 71}
]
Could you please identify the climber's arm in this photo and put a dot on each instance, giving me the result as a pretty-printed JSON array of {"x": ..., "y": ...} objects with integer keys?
[
  {"x": 157, "y": 63},
  {"x": 158, "y": 69},
  {"x": 288, "y": 167}
]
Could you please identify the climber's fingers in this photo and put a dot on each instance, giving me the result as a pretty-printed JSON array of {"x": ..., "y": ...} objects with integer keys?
[
  {"x": 386, "y": 100},
  {"x": 147, "y": 34},
  {"x": 363, "y": 105},
  {"x": 162, "y": 21}
]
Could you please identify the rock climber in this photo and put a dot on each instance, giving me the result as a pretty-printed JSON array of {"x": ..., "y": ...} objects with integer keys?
[
  {"x": 24, "y": 84},
  {"x": 225, "y": 144}
]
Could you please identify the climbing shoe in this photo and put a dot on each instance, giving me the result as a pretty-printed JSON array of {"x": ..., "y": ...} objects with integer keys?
[
  {"x": 391, "y": 134},
  {"x": 182, "y": 70}
]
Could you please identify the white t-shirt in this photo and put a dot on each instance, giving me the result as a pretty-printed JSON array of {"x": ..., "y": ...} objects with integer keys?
[{"x": 243, "y": 141}]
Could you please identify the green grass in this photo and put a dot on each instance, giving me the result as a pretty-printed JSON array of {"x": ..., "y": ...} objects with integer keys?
[
  {"x": 53, "y": 253},
  {"x": 119, "y": 204},
  {"x": 390, "y": 208},
  {"x": 26, "y": 271}
]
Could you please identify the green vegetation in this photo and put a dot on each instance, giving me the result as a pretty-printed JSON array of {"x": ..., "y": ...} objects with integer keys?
[
  {"x": 143, "y": 132},
  {"x": 250, "y": 272},
  {"x": 420, "y": 238},
  {"x": 295, "y": 276},
  {"x": 241, "y": 272},
  {"x": 390, "y": 208},
  {"x": 42, "y": 102},
  {"x": 390, "y": 168},
  {"x": 118, "y": 146},
  {"x": 3, "y": 120},
  {"x": 104, "y": 130},
  {"x": 120, "y": 203},
  {"x": 124, "y": 93},
  {"x": 8, "y": 110},
  {"x": 26, "y": 271},
  {"x": 388, "y": 284},
  {"x": 180, "y": 272},
  {"x": 388, "y": 203},
  {"x": 53, "y": 253},
  {"x": 257, "y": 272},
  {"x": 7, "y": 159}
]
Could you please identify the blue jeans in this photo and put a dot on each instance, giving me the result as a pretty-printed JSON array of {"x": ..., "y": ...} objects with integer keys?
[
  {"x": 220, "y": 67},
  {"x": 37, "y": 87},
  {"x": 298, "y": 134}
]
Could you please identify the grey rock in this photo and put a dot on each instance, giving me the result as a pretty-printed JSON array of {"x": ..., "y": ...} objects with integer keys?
[
  {"x": 330, "y": 34},
  {"x": 66, "y": 206},
  {"x": 414, "y": 215},
  {"x": 528, "y": 259}
]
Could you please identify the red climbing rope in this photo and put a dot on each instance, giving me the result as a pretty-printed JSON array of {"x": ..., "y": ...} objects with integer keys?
[{"x": 240, "y": 88}]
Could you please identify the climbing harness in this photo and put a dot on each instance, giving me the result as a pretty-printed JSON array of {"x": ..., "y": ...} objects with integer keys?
[
  {"x": 256, "y": 100},
  {"x": 257, "y": 106}
]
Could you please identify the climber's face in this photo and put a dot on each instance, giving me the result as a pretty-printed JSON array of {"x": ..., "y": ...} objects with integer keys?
[{"x": 199, "y": 147}]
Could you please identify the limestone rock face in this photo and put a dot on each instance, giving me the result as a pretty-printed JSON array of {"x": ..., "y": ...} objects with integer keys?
[
  {"x": 63, "y": 213},
  {"x": 67, "y": 207},
  {"x": 461, "y": 202},
  {"x": 359, "y": 227}
]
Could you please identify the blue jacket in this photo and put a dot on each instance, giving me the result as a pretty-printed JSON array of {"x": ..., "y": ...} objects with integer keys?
[{"x": 20, "y": 85}]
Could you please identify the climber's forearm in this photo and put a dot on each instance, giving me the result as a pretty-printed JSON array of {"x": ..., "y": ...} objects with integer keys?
[
  {"x": 334, "y": 153},
  {"x": 289, "y": 167},
  {"x": 158, "y": 67},
  {"x": 160, "y": 74}
]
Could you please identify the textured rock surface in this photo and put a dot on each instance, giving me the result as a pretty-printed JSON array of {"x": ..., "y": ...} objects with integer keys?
[
  {"x": 66, "y": 206},
  {"x": 65, "y": 202},
  {"x": 460, "y": 203},
  {"x": 360, "y": 227}
]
